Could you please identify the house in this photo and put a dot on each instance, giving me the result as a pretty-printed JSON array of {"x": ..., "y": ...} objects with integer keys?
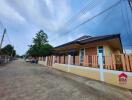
[
  {"x": 100, "y": 58},
  {"x": 90, "y": 45}
]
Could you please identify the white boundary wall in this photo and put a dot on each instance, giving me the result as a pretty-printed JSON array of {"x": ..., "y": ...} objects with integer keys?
[{"x": 110, "y": 76}]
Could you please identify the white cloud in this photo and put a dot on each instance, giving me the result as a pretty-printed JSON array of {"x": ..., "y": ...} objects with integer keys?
[
  {"x": 128, "y": 51},
  {"x": 50, "y": 6},
  {"x": 32, "y": 15},
  {"x": 46, "y": 14},
  {"x": 60, "y": 10},
  {"x": 9, "y": 13}
]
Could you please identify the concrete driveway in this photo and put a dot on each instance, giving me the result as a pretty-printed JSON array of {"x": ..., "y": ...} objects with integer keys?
[{"x": 23, "y": 81}]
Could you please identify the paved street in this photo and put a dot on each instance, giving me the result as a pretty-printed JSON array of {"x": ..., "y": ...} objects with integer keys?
[{"x": 23, "y": 81}]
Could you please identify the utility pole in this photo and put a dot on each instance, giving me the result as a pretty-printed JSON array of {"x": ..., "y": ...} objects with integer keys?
[{"x": 2, "y": 39}]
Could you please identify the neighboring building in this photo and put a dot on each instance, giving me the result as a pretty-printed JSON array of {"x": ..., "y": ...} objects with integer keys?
[{"x": 88, "y": 45}]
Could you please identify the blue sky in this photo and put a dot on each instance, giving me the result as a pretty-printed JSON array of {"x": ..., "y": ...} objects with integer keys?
[{"x": 24, "y": 18}]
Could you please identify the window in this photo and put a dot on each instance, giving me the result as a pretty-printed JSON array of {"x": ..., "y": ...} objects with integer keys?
[{"x": 101, "y": 51}]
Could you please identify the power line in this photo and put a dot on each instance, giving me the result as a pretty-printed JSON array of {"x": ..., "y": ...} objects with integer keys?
[
  {"x": 85, "y": 10},
  {"x": 123, "y": 19},
  {"x": 127, "y": 16},
  {"x": 82, "y": 12},
  {"x": 127, "y": 25},
  {"x": 100, "y": 13}
]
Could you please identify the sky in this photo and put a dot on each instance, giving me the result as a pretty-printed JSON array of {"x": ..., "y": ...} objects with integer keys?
[{"x": 58, "y": 18}]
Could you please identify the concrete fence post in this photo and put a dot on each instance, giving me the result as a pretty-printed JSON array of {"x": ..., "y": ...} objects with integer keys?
[
  {"x": 69, "y": 60},
  {"x": 101, "y": 67},
  {"x": 53, "y": 61}
]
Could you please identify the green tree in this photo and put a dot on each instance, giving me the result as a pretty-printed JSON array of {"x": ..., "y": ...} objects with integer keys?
[
  {"x": 41, "y": 38},
  {"x": 8, "y": 50},
  {"x": 40, "y": 46}
]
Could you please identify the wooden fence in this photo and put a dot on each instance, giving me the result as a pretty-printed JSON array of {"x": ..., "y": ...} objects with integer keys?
[
  {"x": 61, "y": 59},
  {"x": 114, "y": 62},
  {"x": 42, "y": 58},
  {"x": 91, "y": 60},
  {"x": 122, "y": 62}
]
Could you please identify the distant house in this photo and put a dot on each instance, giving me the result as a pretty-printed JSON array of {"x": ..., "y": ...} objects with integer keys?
[{"x": 88, "y": 45}]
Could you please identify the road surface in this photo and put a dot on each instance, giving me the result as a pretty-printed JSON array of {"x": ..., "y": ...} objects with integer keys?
[{"x": 23, "y": 81}]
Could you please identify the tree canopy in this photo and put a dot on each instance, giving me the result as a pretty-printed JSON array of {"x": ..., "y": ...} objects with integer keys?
[
  {"x": 41, "y": 38},
  {"x": 8, "y": 50},
  {"x": 40, "y": 46}
]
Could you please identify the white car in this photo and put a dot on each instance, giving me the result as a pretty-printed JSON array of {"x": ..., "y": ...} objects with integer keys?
[{"x": 28, "y": 60}]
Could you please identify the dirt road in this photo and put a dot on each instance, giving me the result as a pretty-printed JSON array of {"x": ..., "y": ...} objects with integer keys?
[{"x": 23, "y": 81}]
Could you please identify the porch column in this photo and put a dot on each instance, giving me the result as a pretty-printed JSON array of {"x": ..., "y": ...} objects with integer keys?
[
  {"x": 69, "y": 59},
  {"x": 101, "y": 66}
]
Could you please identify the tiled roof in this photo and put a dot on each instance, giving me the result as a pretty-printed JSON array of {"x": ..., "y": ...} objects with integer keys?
[
  {"x": 87, "y": 39},
  {"x": 83, "y": 38}
]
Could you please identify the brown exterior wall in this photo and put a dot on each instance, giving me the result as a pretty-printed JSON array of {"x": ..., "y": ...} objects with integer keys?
[
  {"x": 77, "y": 60},
  {"x": 66, "y": 59},
  {"x": 109, "y": 50},
  {"x": 95, "y": 44},
  {"x": 91, "y": 51},
  {"x": 62, "y": 59}
]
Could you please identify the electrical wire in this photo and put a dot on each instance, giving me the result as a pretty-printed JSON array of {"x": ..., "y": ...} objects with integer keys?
[
  {"x": 127, "y": 26},
  {"x": 82, "y": 12},
  {"x": 93, "y": 17}
]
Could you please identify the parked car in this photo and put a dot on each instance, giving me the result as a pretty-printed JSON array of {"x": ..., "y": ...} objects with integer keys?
[
  {"x": 28, "y": 60},
  {"x": 34, "y": 60}
]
